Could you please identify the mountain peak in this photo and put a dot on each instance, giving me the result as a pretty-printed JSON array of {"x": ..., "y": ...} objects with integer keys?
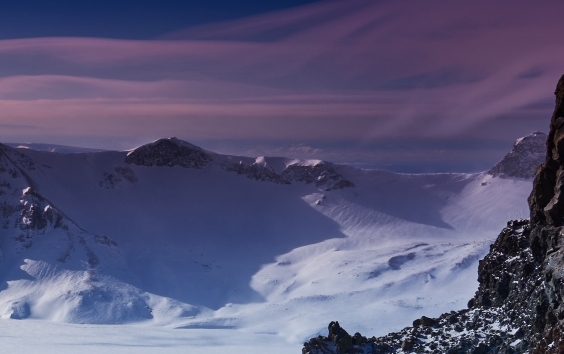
[
  {"x": 169, "y": 152},
  {"x": 525, "y": 156},
  {"x": 169, "y": 141}
]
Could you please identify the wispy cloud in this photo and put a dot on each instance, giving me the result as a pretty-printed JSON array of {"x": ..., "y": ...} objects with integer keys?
[{"x": 357, "y": 70}]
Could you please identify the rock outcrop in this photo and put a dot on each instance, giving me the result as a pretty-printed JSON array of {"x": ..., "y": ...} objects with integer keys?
[
  {"x": 519, "y": 305},
  {"x": 174, "y": 152},
  {"x": 522, "y": 161},
  {"x": 322, "y": 174},
  {"x": 475, "y": 331},
  {"x": 547, "y": 198}
]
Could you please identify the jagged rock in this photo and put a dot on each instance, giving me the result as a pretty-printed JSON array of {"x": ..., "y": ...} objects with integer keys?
[
  {"x": 169, "y": 152},
  {"x": 426, "y": 321},
  {"x": 322, "y": 174},
  {"x": 407, "y": 344},
  {"x": 491, "y": 333},
  {"x": 36, "y": 213},
  {"x": 358, "y": 339},
  {"x": 259, "y": 172},
  {"x": 546, "y": 201},
  {"x": 522, "y": 161},
  {"x": 340, "y": 337}
]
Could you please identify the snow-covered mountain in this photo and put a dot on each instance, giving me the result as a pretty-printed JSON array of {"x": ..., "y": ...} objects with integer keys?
[
  {"x": 172, "y": 233},
  {"x": 51, "y": 267}
]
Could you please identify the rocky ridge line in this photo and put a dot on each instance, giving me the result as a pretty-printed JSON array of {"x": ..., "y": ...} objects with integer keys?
[
  {"x": 174, "y": 152},
  {"x": 321, "y": 174}
]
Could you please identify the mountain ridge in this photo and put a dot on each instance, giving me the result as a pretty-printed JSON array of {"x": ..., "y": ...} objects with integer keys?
[{"x": 213, "y": 248}]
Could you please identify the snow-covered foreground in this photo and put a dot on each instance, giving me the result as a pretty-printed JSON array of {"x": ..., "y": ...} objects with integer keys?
[
  {"x": 34, "y": 336},
  {"x": 194, "y": 251}
]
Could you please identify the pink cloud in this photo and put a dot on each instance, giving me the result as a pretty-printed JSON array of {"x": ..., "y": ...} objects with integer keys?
[{"x": 337, "y": 69}]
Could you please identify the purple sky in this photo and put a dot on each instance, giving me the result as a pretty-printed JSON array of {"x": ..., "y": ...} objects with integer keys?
[{"x": 410, "y": 86}]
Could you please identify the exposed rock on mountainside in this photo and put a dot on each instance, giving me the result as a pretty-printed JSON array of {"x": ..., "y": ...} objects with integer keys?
[
  {"x": 174, "y": 152},
  {"x": 521, "y": 162},
  {"x": 519, "y": 306},
  {"x": 476, "y": 331},
  {"x": 322, "y": 174},
  {"x": 35, "y": 215},
  {"x": 547, "y": 200},
  {"x": 169, "y": 152},
  {"x": 257, "y": 171},
  {"x": 117, "y": 176}
]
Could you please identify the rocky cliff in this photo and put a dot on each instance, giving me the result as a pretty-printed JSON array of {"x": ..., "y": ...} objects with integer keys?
[
  {"x": 518, "y": 307},
  {"x": 525, "y": 155},
  {"x": 546, "y": 200}
]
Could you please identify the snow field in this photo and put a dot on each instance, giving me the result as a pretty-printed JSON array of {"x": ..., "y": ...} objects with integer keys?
[{"x": 209, "y": 260}]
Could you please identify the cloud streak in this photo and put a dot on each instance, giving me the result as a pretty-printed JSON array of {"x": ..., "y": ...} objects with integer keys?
[{"x": 356, "y": 70}]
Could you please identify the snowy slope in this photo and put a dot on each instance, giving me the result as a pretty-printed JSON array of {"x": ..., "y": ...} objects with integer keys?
[
  {"x": 260, "y": 245},
  {"x": 53, "y": 269}
]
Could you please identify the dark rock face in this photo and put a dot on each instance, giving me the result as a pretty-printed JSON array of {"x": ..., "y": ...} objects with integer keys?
[
  {"x": 338, "y": 341},
  {"x": 523, "y": 275},
  {"x": 169, "y": 152},
  {"x": 343, "y": 341},
  {"x": 36, "y": 214},
  {"x": 321, "y": 174},
  {"x": 546, "y": 200},
  {"x": 257, "y": 172},
  {"x": 523, "y": 159},
  {"x": 519, "y": 305},
  {"x": 480, "y": 330}
]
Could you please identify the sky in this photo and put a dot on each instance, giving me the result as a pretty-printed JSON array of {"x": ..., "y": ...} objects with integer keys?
[{"x": 411, "y": 86}]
